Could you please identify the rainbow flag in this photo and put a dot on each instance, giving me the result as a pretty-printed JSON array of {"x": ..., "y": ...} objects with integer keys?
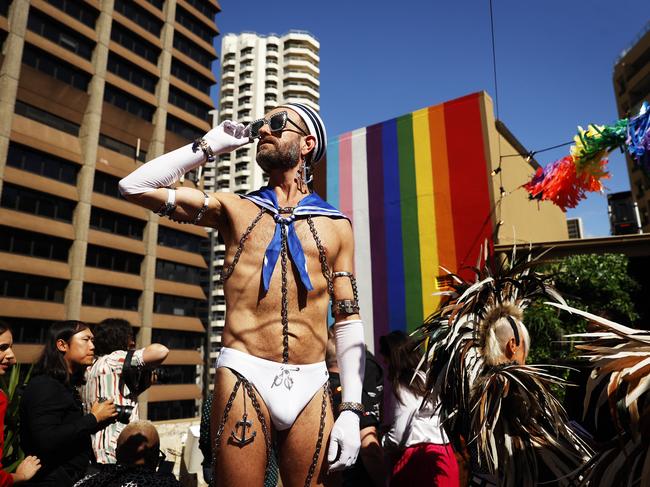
[{"x": 418, "y": 192}]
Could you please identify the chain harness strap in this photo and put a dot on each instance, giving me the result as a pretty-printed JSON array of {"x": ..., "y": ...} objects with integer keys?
[
  {"x": 322, "y": 257},
  {"x": 284, "y": 312},
  {"x": 222, "y": 424},
  {"x": 227, "y": 271},
  {"x": 321, "y": 431},
  {"x": 260, "y": 417}
]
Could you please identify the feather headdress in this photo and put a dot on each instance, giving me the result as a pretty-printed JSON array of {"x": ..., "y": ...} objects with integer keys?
[
  {"x": 620, "y": 380},
  {"x": 505, "y": 414}
]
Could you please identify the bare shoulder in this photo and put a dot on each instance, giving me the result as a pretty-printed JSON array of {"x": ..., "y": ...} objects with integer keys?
[{"x": 343, "y": 229}]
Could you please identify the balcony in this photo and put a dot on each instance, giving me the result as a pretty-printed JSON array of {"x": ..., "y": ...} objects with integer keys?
[
  {"x": 300, "y": 89},
  {"x": 243, "y": 172},
  {"x": 302, "y": 52},
  {"x": 301, "y": 76},
  {"x": 223, "y": 177},
  {"x": 302, "y": 64}
]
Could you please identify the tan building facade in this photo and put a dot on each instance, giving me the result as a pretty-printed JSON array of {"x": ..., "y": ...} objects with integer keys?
[
  {"x": 632, "y": 88},
  {"x": 88, "y": 91}
]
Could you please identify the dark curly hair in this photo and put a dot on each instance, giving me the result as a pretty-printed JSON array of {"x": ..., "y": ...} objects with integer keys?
[
  {"x": 399, "y": 350},
  {"x": 112, "y": 334},
  {"x": 51, "y": 361}
]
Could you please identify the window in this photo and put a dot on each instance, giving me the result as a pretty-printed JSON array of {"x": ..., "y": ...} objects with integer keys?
[
  {"x": 107, "y": 221},
  {"x": 157, "y": 3},
  {"x": 245, "y": 87},
  {"x": 176, "y": 305},
  {"x": 241, "y": 180},
  {"x": 245, "y": 99},
  {"x": 241, "y": 153},
  {"x": 47, "y": 118},
  {"x": 128, "y": 103},
  {"x": 134, "y": 43},
  {"x": 182, "y": 128},
  {"x": 139, "y": 15},
  {"x": 164, "y": 410},
  {"x": 272, "y": 47},
  {"x": 173, "y": 271},
  {"x": 114, "y": 260},
  {"x": 60, "y": 34},
  {"x": 204, "y": 7},
  {"x": 41, "y": 163},
  {"x": 106, "y": 184},
  {"x": 18, "y": 241},
  {"x": 242, "y": 166},
  {"x": 27, "y": 286},
  {"x": 110, "y": 297},
  {"x": 29, "y": 331},
  {"x": 55, "y": 67},
  {"x": 168, "y": 237},
  {"x": 271, "y": 84},
  {"x": 177, "y": 374},
  {"x": 229, "y": 57},
  {"x": 121, "y": 147},
  {"x": 130, "y": 72},
  {"x": 195, "y": 26},
  {"x": 241, "y": 114},
  {"x": 271, "y": 72},
  {"x": 189, "y": 104},
  {"x": 79, "y": 10},
  {"x": 193, "y": 51},
  {"x": 246, "y": 50},
  {"x": 191, "y": 77},
  {"x": 185, "y": 340},
  {"x": 37, "y": 203}
]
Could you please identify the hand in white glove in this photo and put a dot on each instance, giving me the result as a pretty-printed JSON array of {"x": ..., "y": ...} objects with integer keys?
[
  {"x": 346, "y": 438},
  {"x": 227, "y": 136}
]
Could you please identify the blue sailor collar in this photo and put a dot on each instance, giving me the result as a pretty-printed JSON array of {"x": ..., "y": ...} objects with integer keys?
[{"x": 310, "y": 205}]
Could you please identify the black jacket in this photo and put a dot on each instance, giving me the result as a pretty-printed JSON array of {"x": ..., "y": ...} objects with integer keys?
[{"x": 54, "y": 427}]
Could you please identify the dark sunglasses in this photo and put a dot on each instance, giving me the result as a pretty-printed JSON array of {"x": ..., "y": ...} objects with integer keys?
[{"x": 276, "y": 123}]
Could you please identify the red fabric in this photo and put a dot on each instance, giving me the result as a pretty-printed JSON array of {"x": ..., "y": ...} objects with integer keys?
[
  {"x": 6, "y": 480},
  {"x": 426, "y": 464}
]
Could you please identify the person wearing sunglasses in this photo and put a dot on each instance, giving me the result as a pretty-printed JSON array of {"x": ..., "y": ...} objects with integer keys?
[{"x": 289, "y": 255}]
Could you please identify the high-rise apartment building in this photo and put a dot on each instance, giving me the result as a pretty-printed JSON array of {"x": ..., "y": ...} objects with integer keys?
[
  {"x": 632, "y": 88},
  {"x": 88, "y": 91},
  {"x": 257, "y": 73}
]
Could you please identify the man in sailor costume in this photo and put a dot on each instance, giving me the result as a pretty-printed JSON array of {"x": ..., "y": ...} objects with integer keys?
[{"x": 289, "y": 255}]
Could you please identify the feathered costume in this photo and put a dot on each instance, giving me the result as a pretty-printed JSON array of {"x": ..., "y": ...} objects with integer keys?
[
  {"x": 620, "y": 380},
  {"x": 505, "y": 415}
]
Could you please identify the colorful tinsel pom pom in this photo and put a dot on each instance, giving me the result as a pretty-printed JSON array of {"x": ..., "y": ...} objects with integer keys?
[
  {"x": 561, "y": 182},
  {"x": 638, "y": 138}
]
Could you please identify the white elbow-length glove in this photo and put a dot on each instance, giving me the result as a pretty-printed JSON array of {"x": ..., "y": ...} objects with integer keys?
[
  {"x": 165, "y": 170},
  {"x": 345, "y": 438}
]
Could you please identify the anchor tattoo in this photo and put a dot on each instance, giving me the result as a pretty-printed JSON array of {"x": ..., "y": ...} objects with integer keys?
[
  {"x": 244, "y": 424},
  {"x": 284, "y": 377}
]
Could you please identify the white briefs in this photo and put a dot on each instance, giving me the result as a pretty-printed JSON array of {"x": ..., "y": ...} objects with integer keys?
[{"x": 285, "y": 388}]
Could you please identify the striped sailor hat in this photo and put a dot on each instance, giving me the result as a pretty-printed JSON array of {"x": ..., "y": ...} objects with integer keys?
[{"x": 315, "y": 126}]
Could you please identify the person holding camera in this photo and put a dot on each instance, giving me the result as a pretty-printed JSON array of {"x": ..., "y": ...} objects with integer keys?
[{"x": 120, "y": 374}]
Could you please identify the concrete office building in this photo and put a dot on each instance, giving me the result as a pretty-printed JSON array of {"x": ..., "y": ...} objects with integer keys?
[
  {"x": 257, "y": 73},
  {"x": 88, "y": 91},
  {"x": 632, "y": 88}
]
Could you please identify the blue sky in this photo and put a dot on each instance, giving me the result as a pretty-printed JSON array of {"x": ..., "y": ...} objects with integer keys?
[{"x": 381, "y": 59}]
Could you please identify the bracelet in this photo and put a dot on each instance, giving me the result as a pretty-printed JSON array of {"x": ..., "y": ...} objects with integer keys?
[
  {"x": 203, "y": 145},
  {"x": 345, "y": 306},
  {"x": 199, "y": 214},
  {"x": 355, "y": 407},
  {"x": 168, "y": 208}
]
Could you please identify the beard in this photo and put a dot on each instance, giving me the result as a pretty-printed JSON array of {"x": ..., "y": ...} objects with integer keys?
[{"x": 283, "y": 158}]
